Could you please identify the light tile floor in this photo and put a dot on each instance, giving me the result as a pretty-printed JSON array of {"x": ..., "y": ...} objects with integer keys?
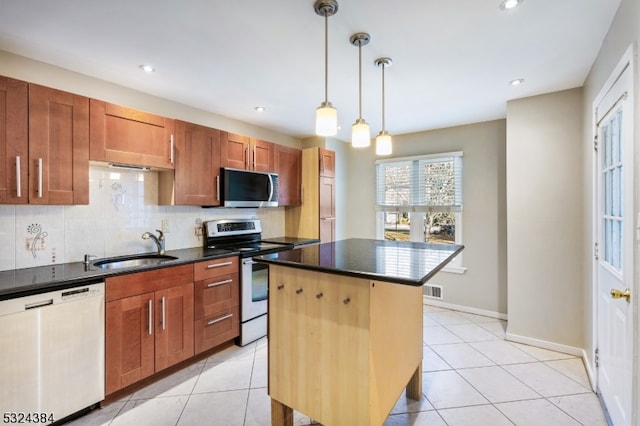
[{"x": 471, "y": 376}]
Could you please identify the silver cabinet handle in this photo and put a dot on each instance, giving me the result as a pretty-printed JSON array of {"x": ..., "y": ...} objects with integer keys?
[
  {"x": 218, "y": 265},
  {"x": 219, "y": 283},
  {"x": 163, "y": 314},
  {"x": 39, "y": 177},
  {"x": 246, "y": 161},
  {"x": 18, "y": 183},
  {"x": 150, "y": 317},
  {"x": 219, "y": 319},
  {"x": 218, "y": 187},
  {"x": 171, "y": 149},
  {"x": 254, "y": 158}
]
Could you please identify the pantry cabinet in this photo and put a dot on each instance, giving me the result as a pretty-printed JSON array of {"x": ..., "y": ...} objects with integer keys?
[
  {"x": 149, "y": 324},
  {"x": 315, "y": 217},
  {"x": 288, "y": 166},
  {"x": 243, "y": 152},
  {"x": 131, "y": 137}
]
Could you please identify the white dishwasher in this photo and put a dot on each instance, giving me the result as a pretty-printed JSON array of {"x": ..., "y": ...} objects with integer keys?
[{"x": 52, "y": 353}]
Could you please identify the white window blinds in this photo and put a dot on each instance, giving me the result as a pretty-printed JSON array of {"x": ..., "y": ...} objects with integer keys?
[{"x": 425, "y": 183}]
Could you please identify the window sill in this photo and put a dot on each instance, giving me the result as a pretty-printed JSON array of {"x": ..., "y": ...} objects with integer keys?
[{"x": 454, "y": 269}]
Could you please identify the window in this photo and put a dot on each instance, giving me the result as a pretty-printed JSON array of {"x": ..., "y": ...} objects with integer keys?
[{"x": 420, "y": 199}]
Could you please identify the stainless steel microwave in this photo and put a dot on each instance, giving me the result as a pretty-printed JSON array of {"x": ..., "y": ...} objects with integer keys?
[{"x": 245, "y": 188}]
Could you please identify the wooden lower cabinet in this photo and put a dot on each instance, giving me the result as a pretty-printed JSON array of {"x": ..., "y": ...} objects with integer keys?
[
  {"x": 217, "y": 302},
  {"x": 149, "y": 324}
]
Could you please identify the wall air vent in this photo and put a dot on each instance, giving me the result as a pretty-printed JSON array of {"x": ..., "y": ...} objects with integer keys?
[{"x": 433, "y": 291}]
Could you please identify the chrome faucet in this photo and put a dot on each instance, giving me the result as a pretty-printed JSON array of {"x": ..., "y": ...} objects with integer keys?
[{"x": 158, "y": 240}]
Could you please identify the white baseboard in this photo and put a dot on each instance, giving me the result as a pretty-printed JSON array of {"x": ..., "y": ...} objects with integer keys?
[
  {"x": 590, "y": 371},
  {"x": 491, "y": 314},
  {"x": 557, "y": 347}
]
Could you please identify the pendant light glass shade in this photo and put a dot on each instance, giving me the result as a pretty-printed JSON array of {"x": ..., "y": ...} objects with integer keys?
[
  {"x": 383, "y": 143},
  {"x": 360, "y": 134},
  {"x": 383, "y": 140},
  {"x": 326, "y": 114},
  {"x": 326, "y": 120}
]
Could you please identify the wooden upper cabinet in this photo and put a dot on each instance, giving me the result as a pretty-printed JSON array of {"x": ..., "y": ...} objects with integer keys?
[
  {"x": 132, "y": 137},
  {"x": 242, "y": 152},
  {"x": 14, "y": 141},
  {"x": 263, "y": 156},
  {"x": 197, "y": 168},
  {"x": 327, "y": 162},
  {"x": 58, "y": 147},
  {"x": 288, "y": 166}
]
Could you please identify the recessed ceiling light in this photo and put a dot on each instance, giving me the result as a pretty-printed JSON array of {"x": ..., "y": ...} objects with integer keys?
[
  {"x": 509, "y": 4},
  {"x": 147, "y": 68},
  {"x": 260, "y": 108},
  {"x": 517, "y": 82}
]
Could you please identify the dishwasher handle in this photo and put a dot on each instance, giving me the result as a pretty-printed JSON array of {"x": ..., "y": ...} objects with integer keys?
[{"x": 38, "y": 304}]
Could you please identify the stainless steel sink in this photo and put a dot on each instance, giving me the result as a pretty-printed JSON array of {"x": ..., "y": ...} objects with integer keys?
[{"x": 131, "y": 261}]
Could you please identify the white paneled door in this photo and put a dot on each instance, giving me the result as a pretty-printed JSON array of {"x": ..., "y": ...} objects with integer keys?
[{"x": 614, "y": 254}]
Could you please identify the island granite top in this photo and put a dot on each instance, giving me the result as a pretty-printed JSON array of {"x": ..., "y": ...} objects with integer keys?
[{"x": 397, "y": 262}]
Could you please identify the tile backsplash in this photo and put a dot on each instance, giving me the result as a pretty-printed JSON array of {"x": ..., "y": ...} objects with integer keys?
[{"x": 123, "y": 205}]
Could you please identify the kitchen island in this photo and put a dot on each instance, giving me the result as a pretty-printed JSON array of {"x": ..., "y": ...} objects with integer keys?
[{"x": 345, "y": 327}]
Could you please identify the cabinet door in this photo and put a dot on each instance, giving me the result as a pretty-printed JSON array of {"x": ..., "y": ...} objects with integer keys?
[
  {"x": 129, "y": 341},
  {"x": 234, "y": 151},
  {"x": 288, "y": 166},
  {"x": 58, "y": 147},
  {"x": 173, "y": 325},
  {"x": 197, "y": 172},
  {"x": 327, "y": 162},
  {"x": 14, "y": 141},
  {"x": 262, "y": 156},
  {"x": 327, "y": 209},
  {"x": 127, "y": 136}
]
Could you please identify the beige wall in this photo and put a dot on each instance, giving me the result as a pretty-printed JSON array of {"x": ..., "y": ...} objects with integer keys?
[
  {"x": 624, "y": 31},
  {"x": 483, "y": 286},
  {"x": 545, "y": 218}
]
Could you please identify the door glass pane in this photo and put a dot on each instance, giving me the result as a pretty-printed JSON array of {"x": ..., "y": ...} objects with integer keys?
[{"x": 612, "y": 186}]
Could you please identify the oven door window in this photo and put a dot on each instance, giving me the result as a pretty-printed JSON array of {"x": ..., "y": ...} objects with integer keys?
[{"x": 259, "y": 281}]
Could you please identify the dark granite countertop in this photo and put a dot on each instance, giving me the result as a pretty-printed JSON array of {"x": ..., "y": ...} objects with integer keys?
[
  {"x": 392, "y": 261},
  {"x": 292, "y": 240},
  {"x": 23, "y": 282}
]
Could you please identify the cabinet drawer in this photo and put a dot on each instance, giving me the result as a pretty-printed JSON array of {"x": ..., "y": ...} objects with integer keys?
[
  {"x": 214, "y": 330},
  {"x": 141, "y": 282},
  {"x": 215, "y": 267},
  {"x": 216, "y": 294}
]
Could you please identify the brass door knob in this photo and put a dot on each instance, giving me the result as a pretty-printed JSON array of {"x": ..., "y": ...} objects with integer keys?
[{"x": 619, "y": 294}]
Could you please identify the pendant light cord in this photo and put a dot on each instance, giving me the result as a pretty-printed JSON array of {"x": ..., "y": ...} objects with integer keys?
[
  {"x": 360, "y": 79},
  {"x": 326, "y": 57},
  {"x": 383, "y": 127}
]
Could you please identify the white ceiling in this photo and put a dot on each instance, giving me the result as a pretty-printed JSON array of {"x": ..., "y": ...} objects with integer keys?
[{"x": 452, "y": 60}]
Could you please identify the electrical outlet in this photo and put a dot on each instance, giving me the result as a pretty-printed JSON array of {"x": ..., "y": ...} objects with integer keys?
[{"x": 164, "y": 225}]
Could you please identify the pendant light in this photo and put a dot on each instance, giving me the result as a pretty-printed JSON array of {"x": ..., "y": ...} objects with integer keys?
[
  {"x": 326, "y": 114},
  {"x": 383, "y": 140},
  {"x": 360, "y": 133}
]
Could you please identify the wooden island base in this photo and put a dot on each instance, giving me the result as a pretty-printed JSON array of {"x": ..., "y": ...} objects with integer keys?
[{"x": 341, "y": 349}]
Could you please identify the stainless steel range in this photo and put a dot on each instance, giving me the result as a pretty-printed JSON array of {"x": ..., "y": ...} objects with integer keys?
[{"x": 244, "y": 237}]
